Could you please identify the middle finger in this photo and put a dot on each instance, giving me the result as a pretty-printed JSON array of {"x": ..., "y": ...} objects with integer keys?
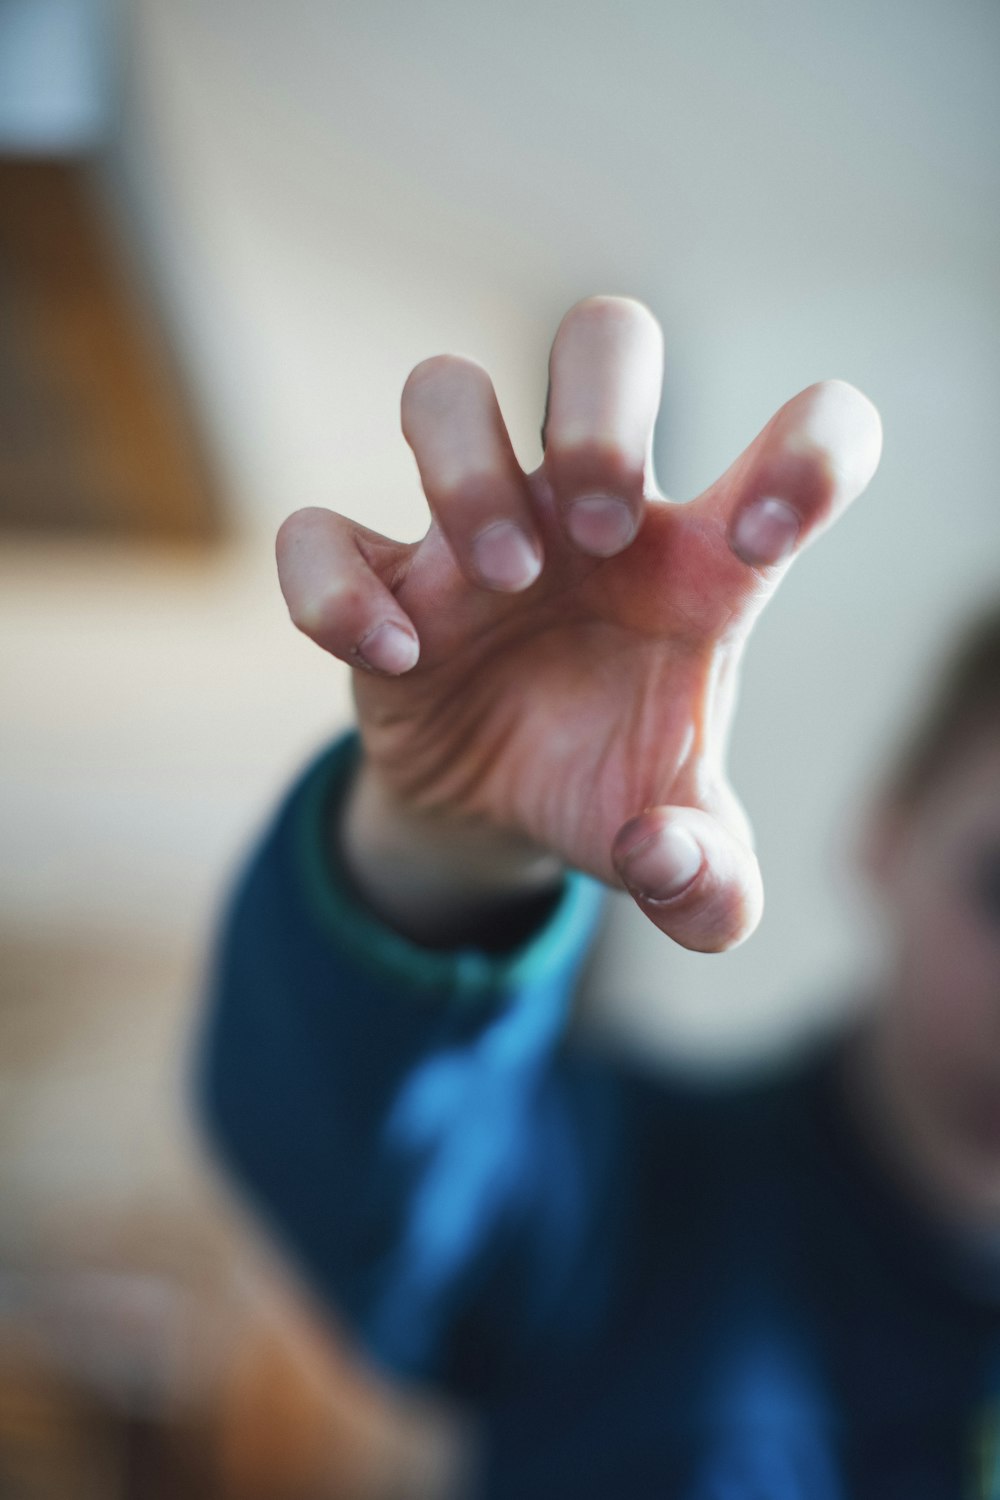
[{"x": 605, "y": 380}]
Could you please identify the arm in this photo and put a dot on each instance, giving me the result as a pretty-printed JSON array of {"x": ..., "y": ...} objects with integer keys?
[
  {"x": 544, "y": 682},
  {"x": 393, "y": 1108}
]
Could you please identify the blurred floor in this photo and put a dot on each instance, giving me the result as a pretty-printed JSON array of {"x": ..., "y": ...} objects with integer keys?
[
  {"x": 156, "y": 702},
  {"x": 148, "y": 1344},
  {"x": 90, "y": 1119}
]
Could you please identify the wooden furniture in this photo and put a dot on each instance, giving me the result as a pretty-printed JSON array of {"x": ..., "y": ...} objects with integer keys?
[{"x": 97, "y": 433}]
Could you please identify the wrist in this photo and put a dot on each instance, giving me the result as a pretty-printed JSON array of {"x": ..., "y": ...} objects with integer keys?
[{"x": 438, "y": 880}]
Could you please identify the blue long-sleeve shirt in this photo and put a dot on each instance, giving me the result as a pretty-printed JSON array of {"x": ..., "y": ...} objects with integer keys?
[{"x": 643, "y": 1284}]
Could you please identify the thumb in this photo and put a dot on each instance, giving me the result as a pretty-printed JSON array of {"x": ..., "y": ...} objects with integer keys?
[{"x": 691, "y": 876}]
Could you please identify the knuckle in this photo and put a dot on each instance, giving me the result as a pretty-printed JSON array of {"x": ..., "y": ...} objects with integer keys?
[
  {"x": 306, "y": 615},
  {"x": 474, "y": 488},
  {"x": 818, "y": 472},
  {"x": 627, "y": 311},
  {"x": 293, "y": 523},
  {"x": 441, "y": 371},
  {"x": 326, "y": 611},
  {"x": 426, "y": 370},
  {"x": 801, "y": 470},
  {"x": 303, "y": 616},
  {"x": 843, "y": 394},
  {"x": 305, "y": 529},
  {"x": 838, "y": 445},
  {"x": 442, "y": 388}
]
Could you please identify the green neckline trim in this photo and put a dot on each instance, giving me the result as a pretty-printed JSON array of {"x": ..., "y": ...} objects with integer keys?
[{"x": 464, "y": 972}]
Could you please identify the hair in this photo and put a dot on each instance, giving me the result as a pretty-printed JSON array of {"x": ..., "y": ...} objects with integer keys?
[{"x": 964, "y": 704}]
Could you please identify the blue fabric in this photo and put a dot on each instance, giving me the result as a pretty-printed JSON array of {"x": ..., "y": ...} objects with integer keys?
[{"x": 643, "y": 1284}]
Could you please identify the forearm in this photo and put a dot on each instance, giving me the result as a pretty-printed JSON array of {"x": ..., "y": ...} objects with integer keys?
[{"x": 343, "y": 1072}]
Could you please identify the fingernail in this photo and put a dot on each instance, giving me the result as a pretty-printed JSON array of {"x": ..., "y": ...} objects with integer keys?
[
  {"x": 505, "y": 557},
  {"x": 662, "y": 865},
  {"x": 389, "y": 648},
  {"x": 765, "y": 532},
  {"x": 600, "y": 524}
]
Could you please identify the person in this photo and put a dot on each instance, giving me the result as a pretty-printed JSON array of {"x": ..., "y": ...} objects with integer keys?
[{"x": 642, "y": 1282}]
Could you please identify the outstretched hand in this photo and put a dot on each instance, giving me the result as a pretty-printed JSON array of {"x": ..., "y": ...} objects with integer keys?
[{"x": 556, "y": 660}]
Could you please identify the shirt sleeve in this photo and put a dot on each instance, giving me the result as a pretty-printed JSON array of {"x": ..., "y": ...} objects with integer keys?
[{"x": 401, "y": 1116}]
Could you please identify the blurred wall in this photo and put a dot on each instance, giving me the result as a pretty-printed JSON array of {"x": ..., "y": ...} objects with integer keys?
[
  {"x": 56, "y": 62},
  {"x": 330, "y": 192}
]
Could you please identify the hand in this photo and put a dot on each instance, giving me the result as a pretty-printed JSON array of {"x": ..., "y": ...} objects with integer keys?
[{"x": 553, "y": 667}]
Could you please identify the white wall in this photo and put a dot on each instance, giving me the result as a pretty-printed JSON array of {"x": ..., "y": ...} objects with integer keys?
[{"x": 331, "y": 192}]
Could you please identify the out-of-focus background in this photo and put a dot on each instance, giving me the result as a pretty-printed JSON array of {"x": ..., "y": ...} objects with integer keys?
[{"x": 228, "y": 230}]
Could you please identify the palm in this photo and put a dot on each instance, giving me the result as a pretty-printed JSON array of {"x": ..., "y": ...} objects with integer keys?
[{"x": 561, "y": 713}]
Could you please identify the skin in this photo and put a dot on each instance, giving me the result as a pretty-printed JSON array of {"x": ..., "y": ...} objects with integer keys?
[
  {"x": 926, "y": 1073},
  {"x": 580, "y": 715}
]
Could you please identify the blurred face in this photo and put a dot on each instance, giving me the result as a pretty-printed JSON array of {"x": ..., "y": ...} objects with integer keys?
[{"x": 935, "y": 1043}]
